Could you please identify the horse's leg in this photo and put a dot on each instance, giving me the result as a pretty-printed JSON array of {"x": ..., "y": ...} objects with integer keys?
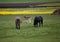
[
  {"x": 42, "y": 23},
  {"x": 36, "y": 24},
  {"x": 16, "y": 26},
  {"x": 19, "y": 26},
  {"x": 39, "y": 24}
]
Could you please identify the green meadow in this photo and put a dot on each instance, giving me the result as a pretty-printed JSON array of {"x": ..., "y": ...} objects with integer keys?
[
  {"x": 50, "y": 32},
  {"x": 20, "y": 1}
]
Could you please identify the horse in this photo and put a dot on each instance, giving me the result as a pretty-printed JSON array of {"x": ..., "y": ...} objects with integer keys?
[
  {"x": 17, "y": 22},
  {"x": 38, "y": 20},
  {"x": 27, "y": 19}
]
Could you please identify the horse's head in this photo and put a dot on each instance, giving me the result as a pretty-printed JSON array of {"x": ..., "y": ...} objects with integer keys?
[{"x": 26, "y": 17}]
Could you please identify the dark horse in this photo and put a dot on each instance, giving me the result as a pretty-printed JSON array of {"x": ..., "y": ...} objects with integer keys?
[
  {"x": 38, "y": 20},
  {"x": 17, "y": 22}
]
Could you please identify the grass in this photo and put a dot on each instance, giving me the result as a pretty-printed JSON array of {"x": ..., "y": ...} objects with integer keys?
[
  {"x": 50, "y": 32},
  {"x": 51, "y": 4},
  {"x": 20, "y": 1}
]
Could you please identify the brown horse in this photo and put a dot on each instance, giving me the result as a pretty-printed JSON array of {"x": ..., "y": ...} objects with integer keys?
[{"x": 17, "y": 22}]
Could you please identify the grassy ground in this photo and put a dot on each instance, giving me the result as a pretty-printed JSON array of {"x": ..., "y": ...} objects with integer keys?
[
  {"x": 19, "y": 1},
  {"x": 50, "y": 32},
  {"x": 51, "y": 4}
]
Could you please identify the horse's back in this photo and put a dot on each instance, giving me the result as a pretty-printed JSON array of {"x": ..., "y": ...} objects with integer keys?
[
  {"x": 39, "y": 18},
  {"x": 18, "y": 20}
]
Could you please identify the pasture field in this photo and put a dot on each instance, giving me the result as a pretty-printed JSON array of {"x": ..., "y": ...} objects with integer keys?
[
  {"x": 50, "y": 32},
  {"x": 24, "y": 1}
]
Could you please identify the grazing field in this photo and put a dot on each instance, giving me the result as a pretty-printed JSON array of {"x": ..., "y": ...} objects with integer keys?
[
  {"x": 50, "y": 32},
  {"x": 20, "y": 1},
  {"x": 50, "y": 4}
]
